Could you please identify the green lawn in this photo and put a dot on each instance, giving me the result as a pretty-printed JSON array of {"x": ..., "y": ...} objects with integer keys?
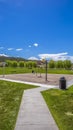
[
  {"x": 60, "y": 103},
  {"x": 17, "y": 70},
  {"x": 14, "y": 70},
  {"x": 10, "y": 98}
]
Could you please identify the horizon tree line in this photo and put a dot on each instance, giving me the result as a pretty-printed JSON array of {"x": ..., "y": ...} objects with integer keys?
[{"x": 66, "y": 64}]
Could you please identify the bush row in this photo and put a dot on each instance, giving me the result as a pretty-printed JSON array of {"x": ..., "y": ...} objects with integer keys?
[
  {"x": 28, "y": 64},
  {"x": 67, "y": 64}
]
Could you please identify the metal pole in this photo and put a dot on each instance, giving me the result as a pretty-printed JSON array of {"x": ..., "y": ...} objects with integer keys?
[
  {"x": 40, "y": 71},
  {"x": 3, "y": 69},
  {"x": 46, "y": 71}
]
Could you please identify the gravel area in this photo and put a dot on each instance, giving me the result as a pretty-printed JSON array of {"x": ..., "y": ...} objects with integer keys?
[{"x": 52, "y": 79}]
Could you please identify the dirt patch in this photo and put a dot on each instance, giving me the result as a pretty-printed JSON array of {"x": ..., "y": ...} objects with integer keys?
[{"x": 52, "y": 79}]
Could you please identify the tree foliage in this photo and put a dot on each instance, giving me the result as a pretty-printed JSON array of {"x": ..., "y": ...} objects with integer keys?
[
  {"x": 34, "y": 64},
  {"x": 31, "y": 64},
  {"x": 14, "y": 63},
  {"x": 8, "y": 63},
  {"x": 21, "y": 64},
  {"x": 51, "y": 64},
  {"x": 59, "y": 64},
  {"x": 67, "y": 64}
]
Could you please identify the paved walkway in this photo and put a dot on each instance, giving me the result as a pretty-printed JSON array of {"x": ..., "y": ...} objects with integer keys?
[
  {"x": 69, "y": 83},
  {"x": 30, "y": 83},
  {"x": 34, "y": 113}
]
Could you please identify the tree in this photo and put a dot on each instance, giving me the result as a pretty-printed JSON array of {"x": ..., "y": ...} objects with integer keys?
[
  {"x": 14, "y": 64},
  {"x": 34, "y": 64},
  {"x": 21, "y": 64},
  {"x": 67, "y": 64},
  {"x": 8, "y": 63},
  {"x": 28, "y": 64},
  {"x": 51, "y": 64},
  {"x": 59, "y": 64}
]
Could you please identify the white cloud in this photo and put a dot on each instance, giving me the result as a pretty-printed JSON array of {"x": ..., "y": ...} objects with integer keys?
[
  {"x": 10, "y": 49},
  {"x": 32, "y": 58},
  {"x": 19, "y": 49},
  {"x": 4, "y": 55},
  {"x": 65, "y": 58},
  {"x": 35, "y": 44},
  {"x": 58, "y": 56}
]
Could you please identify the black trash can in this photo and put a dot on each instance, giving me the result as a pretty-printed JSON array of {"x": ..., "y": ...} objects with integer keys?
[{"x": 62, "y": 83}]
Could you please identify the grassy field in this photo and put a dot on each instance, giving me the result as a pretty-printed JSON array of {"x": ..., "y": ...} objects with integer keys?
[
  {"x": 60, "y": 103},
  {"x": 11, "y": 70},
  {"x": 10, "y": 98},
  {"x": 17, "y": 70}
]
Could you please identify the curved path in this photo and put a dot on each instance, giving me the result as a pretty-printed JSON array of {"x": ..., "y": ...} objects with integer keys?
[{"x": 34, "y": 113}]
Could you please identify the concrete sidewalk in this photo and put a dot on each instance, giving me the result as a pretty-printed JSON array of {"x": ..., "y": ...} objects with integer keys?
[
  {"x": 69, "y": 83},
  {"x": 30, "y": 83},
  {"x": 34, "y": 113}
]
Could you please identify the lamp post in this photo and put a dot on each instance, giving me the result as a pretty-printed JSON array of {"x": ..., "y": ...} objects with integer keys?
[
  {"x": 45, "y": 61},
  {"x": 45, "y": 70},
  {"x": 4, "y": 69}
]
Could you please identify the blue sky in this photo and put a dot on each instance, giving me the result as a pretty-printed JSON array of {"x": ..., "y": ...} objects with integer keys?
[{"x": 36, "y": 28}]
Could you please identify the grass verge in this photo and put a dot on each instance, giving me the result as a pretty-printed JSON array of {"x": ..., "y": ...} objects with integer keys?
[
  {"x": 60, "y": 103},
  {"x": 18, "y": 70},
  {"x": 10, "y": 98}
]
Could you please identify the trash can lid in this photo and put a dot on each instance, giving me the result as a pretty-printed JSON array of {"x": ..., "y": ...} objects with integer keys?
[{"x": 62, "y": 78}]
